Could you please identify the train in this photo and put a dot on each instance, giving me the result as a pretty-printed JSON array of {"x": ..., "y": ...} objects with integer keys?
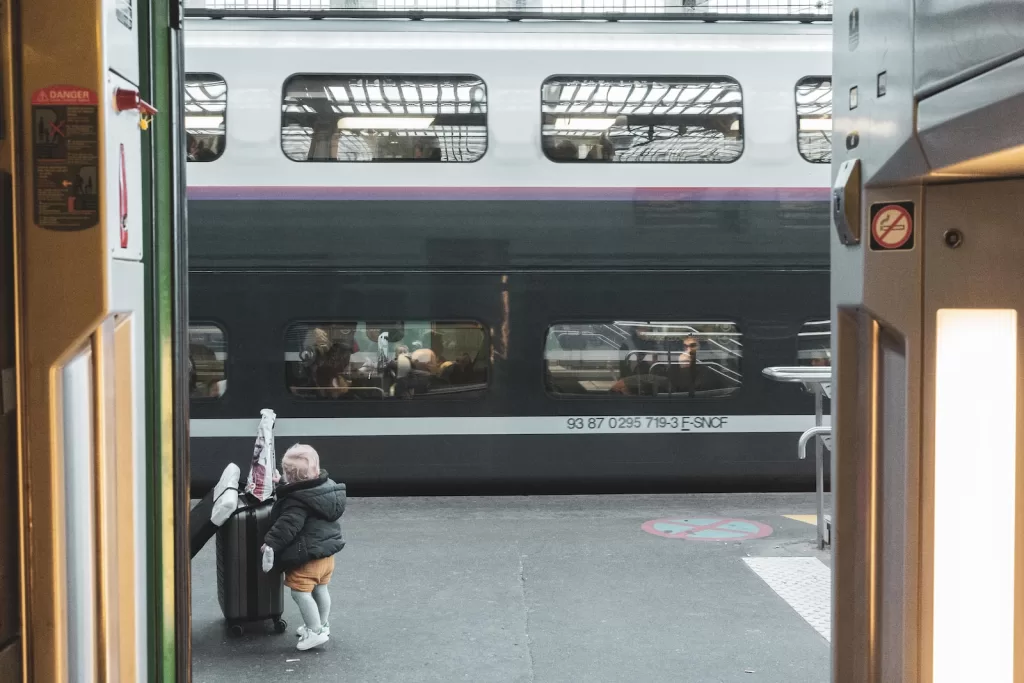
[{"x": 508, "y": 257}]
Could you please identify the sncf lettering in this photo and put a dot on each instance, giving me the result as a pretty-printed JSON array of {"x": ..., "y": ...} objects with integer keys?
[{"x": 704, "y": 422}]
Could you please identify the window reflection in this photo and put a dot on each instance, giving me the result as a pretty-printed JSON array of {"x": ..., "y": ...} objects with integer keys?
[
  {"x": 207, "y": 358},
  {"x": 378, "y": 360},
  {"x": 633, "y": 119},
  {"x": 636, "y": 358},
  {"x": 814, "y": 119},
  {"x": 206, "y": 101},
  {"x": 384, "y": 118},
  {"x": 814, "y": 343}
]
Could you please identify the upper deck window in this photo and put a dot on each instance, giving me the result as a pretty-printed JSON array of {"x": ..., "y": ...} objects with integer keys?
[
  {"x": 206, "y": 103},
  {"x": 663, "y": 119},
  {"x": 814, "y": 119},
  {"x": 355, "y": 117}
]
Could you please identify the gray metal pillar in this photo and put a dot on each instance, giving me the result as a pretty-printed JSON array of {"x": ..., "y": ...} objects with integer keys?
[{"x": 927, "y": 259}]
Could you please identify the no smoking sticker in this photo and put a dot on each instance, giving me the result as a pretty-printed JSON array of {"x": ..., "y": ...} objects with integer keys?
[{"x": 892, "y": 226}]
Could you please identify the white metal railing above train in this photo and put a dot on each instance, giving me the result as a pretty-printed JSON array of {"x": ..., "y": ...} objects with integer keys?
[{"x": 704, "y": 10}]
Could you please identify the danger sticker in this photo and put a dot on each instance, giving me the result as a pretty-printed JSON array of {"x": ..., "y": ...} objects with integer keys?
[
  {"x": 65, "y": 157},
  {"x": 892, "y": 226},
  {"x": 65, "y": 94}
]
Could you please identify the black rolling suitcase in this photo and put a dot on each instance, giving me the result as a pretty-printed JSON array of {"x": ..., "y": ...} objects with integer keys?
[{"x": 245, "y": 593}]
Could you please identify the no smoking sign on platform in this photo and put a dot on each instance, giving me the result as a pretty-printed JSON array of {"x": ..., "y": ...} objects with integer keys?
[
  {"x": 892, "y": 226},
  {"x": 707, "y": 528}
]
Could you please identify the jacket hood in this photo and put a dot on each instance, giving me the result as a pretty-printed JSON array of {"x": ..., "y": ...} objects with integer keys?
[{"x": 323, "y": 497}]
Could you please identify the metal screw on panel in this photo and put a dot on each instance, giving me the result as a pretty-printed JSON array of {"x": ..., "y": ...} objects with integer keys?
[{"x": 953, "y": 238}]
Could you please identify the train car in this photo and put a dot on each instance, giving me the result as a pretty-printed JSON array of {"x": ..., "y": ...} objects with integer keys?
[{"x": 509, "y": 257}]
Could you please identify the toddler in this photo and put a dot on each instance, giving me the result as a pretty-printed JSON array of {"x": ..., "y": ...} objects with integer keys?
[{"x": 304, "y": 537}]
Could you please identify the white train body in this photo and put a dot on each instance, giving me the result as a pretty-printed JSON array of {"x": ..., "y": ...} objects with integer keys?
[{"x": 256, "y": 57}]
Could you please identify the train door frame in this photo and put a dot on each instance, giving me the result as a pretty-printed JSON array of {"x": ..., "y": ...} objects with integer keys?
[
  {"x": 11, "y": 577},
  {"x": 84, "y": 326}
]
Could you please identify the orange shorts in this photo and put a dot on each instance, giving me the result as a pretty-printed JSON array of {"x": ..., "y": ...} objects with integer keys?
[{"x": 310, "y": 575}]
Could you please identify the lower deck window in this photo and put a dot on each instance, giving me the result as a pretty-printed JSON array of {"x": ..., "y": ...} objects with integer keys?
[
  {"x": 386, "y": 360},
  {"x": 814, "y": 343},
  {"x": 636, "y": 358},
  {"x": 207, "y": 357}
]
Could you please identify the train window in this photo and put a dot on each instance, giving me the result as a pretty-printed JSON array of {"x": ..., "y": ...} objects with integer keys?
[
  {"x": 207, "y": 360},
  {"x": 440, "y": 118},
  {"x": 814, "y": 119},
  {"x": 377, "y": 360},
  {"x": 814, "y": 343},
  {"x": 671, "y": 119},
  {"x": 650, "y": 359},
  {"x": 206, "y": 104}
]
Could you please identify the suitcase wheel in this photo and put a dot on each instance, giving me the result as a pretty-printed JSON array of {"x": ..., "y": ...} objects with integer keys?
[
  {"x": 236, "y": 630},
  {"x": 280, "y": 625}
]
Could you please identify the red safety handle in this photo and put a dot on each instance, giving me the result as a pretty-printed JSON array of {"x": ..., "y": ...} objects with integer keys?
[{"x": 126, "y": 100}]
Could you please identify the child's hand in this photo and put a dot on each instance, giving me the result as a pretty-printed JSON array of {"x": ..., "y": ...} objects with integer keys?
[{"x": 268, "y": 559}]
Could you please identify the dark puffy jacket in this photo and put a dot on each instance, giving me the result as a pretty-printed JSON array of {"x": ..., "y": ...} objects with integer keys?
[{"x": 306, "y": 521}]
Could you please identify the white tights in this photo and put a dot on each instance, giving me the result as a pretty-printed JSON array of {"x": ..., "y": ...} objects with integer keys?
[{"x": 315, "y": 607}]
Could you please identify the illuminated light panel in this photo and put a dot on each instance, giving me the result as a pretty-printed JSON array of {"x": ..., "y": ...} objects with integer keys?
[
  {"x": 387, "y": 122},
  {"x": 816, "y": 124},
  {"x": 203, "y": 122},
  {"x": 975, "y": 484},
  {"x": 578, "y": 123}
]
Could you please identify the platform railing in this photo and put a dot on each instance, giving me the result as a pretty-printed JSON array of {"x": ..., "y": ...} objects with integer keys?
[{"x": 818, "y": 381}]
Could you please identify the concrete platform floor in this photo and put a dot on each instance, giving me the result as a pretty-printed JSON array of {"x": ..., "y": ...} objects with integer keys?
[{"x": 549, "y": 590}]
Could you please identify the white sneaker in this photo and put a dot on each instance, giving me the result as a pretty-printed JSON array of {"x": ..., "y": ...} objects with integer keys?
[
  {"x": 310, "y": 640},
  {"x": 301, "y": 631}
]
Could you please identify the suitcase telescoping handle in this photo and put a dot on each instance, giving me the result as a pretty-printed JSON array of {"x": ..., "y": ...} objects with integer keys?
[{"x": 255, "y": 562}]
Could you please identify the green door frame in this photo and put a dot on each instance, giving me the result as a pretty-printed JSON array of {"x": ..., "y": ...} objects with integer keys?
[{"x": 167, "y": 400}]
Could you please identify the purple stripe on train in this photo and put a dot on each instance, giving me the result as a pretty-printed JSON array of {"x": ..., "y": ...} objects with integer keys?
[{"x": 645, "y": 194}]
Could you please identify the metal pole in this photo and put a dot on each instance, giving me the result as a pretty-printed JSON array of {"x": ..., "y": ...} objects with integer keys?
[
  {"x": 816, "y": 432},
  {"x": 812, "y": 379},
  {"x": 819, "y": 465}
]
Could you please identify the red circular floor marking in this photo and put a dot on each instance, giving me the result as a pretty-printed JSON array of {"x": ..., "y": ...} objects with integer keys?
[{"x": 707, "y": 528}]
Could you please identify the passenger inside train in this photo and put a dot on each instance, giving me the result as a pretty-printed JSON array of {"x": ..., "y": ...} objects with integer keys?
[
  {"x": 653, "y": 359},
  {"x": 206, "y": 359},
  {"x": 205, "y": 372},
  {"x": 814, "y": 343},
  {"x": 355, "y": 360},
  {"x": 200, "y": 148}
]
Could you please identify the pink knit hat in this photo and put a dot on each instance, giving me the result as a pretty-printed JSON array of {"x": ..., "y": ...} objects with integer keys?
[{"x": 300, "y": 463}]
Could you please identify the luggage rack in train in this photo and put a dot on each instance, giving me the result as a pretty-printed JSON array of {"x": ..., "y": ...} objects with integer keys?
[{"x": 709, "y": 11}]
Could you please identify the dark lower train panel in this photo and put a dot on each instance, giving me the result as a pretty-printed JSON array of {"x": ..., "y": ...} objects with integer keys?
[
  {"x": 269, "y": 233},
  {"x": 255, "y": 308},
  {"x": 535, "y": 464}
]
